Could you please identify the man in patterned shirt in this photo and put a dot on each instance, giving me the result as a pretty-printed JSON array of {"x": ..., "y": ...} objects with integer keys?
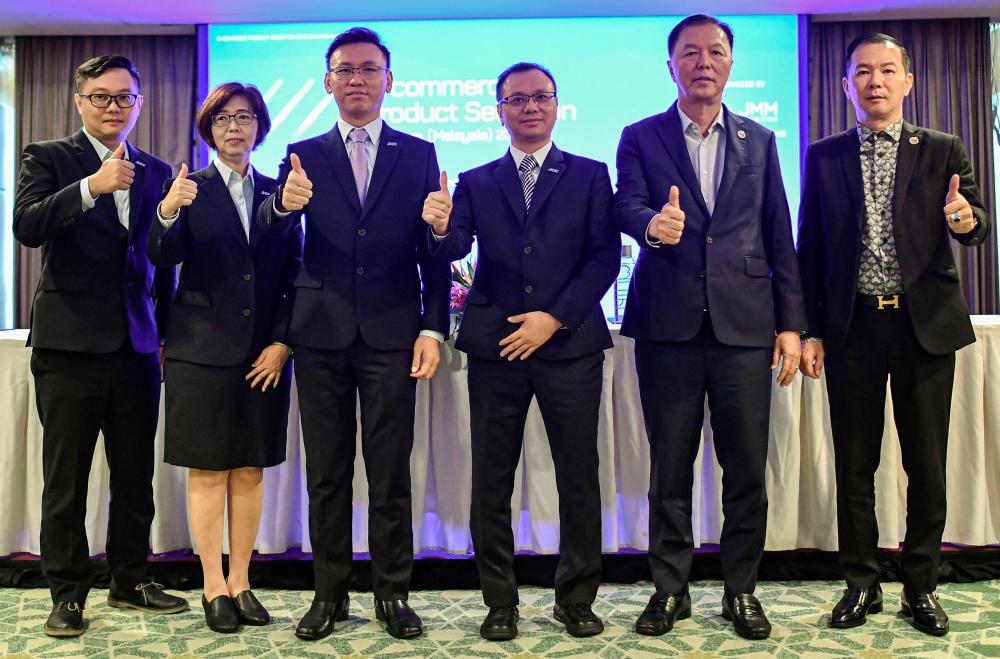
[{"x": 883, "y": 298}]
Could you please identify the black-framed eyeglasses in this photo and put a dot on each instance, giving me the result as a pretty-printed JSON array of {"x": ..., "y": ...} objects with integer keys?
[
  {"x": 222, "y": 119},
  {"x": 368, "y": 72},
  {"x": 520, "y": 101},
  {"x": 104, "y": 100}
]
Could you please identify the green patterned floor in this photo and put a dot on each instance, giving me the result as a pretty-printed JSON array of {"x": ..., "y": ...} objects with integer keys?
[{"x": 799, "y": 612}]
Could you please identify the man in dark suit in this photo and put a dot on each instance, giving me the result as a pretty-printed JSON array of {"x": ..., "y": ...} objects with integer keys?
[
  {"x": 533, "y": 327},
  {"x": 87, "y": 200},
  {"x": 364, "y": 322},
  {"x": 883, "y": 300},
  {"x": 714, "y": 300}
]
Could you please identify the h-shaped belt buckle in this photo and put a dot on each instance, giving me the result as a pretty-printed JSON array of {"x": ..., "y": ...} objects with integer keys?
[{"x": 888, "y": 302}]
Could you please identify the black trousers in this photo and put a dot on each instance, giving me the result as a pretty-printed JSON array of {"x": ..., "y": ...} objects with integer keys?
[
  {"x": 881, "y": 345},
  {"x": 79, "y": 395},
  {"x": 329, "y": 383},
  {"x": 674, "y": 378},
  {"x": 569, "y": 397}
]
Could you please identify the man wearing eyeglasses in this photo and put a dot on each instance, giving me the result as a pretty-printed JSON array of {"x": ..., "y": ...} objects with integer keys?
[
  {"x": 715, "y": 306},
  {"x": 97, "y": 318},
  {"x": 533, "y": 327},
  {"x": 365, "y": 323}
]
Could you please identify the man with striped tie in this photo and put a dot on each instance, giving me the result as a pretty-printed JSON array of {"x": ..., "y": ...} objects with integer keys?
[{"x": 533, "y": 327}]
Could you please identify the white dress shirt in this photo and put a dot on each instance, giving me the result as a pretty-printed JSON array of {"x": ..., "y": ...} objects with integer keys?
[{"x": 121, "y": 196}]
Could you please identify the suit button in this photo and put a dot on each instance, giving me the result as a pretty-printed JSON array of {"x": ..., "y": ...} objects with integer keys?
[
  {"x": 529, "y": 289},
  {"x": 527, "y": 250},
  {"x": 131, "y": 283},
  {"x": 701, "y": 275},
  {"x": 246, "y": 313},
  {"x": 246, "y": 277},
  {"x": 709, "y": 240},
  {"x": 360, "y": 270},
  {"x": 131, "y": 249},
  {"x": 362, "y": 232}
]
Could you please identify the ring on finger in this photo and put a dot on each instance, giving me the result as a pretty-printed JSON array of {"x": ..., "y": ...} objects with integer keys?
[{"x": 955, "y": 217}]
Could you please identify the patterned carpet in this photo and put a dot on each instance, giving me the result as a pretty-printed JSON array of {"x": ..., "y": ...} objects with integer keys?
[{"x": 799, "y": 612}]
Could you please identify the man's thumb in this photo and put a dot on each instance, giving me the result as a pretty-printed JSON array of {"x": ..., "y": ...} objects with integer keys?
[
  {"x": 119, "y": 152},
  {"x": 675, "y": 197},
  {"x": 444, "y": 181},
  {"x": 184, "y": 171},
  {"x": 956, "y": 180},
  {"x": 296, "y": 164}
]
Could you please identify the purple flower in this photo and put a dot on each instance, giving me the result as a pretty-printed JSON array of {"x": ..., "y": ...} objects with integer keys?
[{"x": 458, "y": 295}]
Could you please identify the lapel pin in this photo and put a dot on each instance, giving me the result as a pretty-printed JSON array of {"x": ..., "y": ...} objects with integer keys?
[
  {"x": 390, "y": 144},
  {"x": 914, "y": 139},
  {"x": 741, "y": 134},
  {"x": 139, "y": 163},
  {"x": 554, "y": 171}
]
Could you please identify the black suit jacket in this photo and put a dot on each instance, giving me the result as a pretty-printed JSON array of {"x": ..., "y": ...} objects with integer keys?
[
  {"x": 97, "y": 288},
  {"x": 365, "y": 270},
  {"x": 559, "y": 257},
  {"x": 831, "y": 221},
  {"x": 234, "y": 296},
  {"x": 739, "y": 261}
]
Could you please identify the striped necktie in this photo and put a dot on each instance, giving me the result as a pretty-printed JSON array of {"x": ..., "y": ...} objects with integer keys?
[{"x": 527, "y": 178}]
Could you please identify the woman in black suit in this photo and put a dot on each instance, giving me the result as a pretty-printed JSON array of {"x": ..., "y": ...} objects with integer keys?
[{"x": 227, "y": 368}]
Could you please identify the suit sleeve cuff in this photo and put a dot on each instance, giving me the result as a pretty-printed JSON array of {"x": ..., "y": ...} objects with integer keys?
[
  {"x": 167, "y": 222},
  {"x": 649, "y": 241}
]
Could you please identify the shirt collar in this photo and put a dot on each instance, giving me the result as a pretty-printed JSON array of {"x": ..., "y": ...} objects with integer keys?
[
  {"x": 893, "y": 130},
  {"x": 540, "y": 154},
  {"x": 102, "y": 151},
  {"x": 686, "y": 121},
  {"x": 225, "y": 171},
  {"x": 374, "y": 130}
]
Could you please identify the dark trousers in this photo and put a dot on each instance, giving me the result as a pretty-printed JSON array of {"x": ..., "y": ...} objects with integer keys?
[
  {"x": 79, "y": 395},
  {"x": 881, "y": 345},
  {"x": 569, "y": 398},
  {"x": 674, "y": 378},
  {"x": 329, "y": 383}
]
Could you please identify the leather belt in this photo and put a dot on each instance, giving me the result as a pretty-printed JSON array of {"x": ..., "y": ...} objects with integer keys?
[{"x": 882, "y": 302}]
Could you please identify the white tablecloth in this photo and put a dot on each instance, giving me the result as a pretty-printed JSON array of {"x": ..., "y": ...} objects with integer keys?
[{"x": 800, "y": 473}]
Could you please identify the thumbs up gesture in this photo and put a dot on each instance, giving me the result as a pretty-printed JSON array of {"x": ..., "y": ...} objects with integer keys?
[
  {"x": 957, "y": 211},
  {"x": 298, "y": 188},
  {"x": 182, "y": 193},
  {"x": 115, "y": 173},
  {"x": 437, "y": 207},
  {"x": 667, "y": 226}
]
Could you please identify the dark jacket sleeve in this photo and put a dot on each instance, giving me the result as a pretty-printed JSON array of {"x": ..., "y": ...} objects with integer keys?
[
  {"x": 41, "y": 209},
  {"x": 461, "y": 227},
  {"x": 631, "y": 207},
  {"x": 267, "y": 217},
  {"x": 958, "y": 163},
  {"x": 811, "y": 254},
  {"x": 167, "y": 246}
]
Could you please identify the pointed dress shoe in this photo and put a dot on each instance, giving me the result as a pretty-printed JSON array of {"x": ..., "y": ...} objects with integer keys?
[
  {"x": 318, "y": 621},
  {"x": 66, "y": 619},
  {"x": 221, "y": 615},
  {"x": 400, "y": 620},
  {"x": 500, "y": 623},
  {"x": 579, "y": 619},
  {"x": 925, "y": 612},
  {"x": 251, "y": 611},
  {"x": 662, "y": 611},
  {"x": 855, "y": 605},
  {"x": 747, "y": 616},
  {"x": 148, "y": 597}
]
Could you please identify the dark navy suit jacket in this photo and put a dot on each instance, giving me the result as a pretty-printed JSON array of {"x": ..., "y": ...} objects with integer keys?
[
  {"x": 97, "y": 288},
  {"x": 234, "y": 296},
  {"x": 559, "y": 257},
  {"x": 739, "y": 262},
  {"x": 365, "y": 270}
]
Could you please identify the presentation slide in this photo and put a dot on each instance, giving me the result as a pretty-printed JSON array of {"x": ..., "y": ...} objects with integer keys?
[{"x": 610, "y": 72}]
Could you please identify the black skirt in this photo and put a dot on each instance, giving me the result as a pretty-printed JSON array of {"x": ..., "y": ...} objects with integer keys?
[{"x": 215, "y": 421}]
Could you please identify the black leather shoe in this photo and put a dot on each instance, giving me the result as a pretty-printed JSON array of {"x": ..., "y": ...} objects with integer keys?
[
  {"x": 747, "y": 616},
  {"x": 925, "y": 611},
  {"x": 500, "y": 623},
  {"x": 66, "y": 619},
  {"x": 251, "y": 611},
  {"x": 400, "y": 620},
  {"x": 221, "y": 615},
  {"x": 855, "y": 605},
  {"x": 318, "y": 621},
  {"x": 662, "y": 611},
  {"x": 579, "y": 619},
  {"x": 147, "y": 596}
]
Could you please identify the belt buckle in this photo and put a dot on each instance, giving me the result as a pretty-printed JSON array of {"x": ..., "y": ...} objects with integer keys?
[{"x": 888, "y": 302}]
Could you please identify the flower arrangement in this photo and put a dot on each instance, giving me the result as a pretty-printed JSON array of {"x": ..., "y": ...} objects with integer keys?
[{"x": 462, "y": 273}]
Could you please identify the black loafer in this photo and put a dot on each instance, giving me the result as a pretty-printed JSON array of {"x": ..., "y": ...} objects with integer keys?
[
  {"x": 925, "y": 612},
  {"x": 251, "y": 611},
  {"x": 221, "y": 615},
  {"x": 747, "y": 616},
  {"x": 400, "y": 620},
  {"x": 148, "y": 597},
  {"x": 579, "y": 619},
  {"x": 318, "y": 621},
  {"x": 66, "y": 619},
  {"x": 662, "y": 611},
  {"x": 854, "y": 607},
  {"x": 500, "y": 623}
]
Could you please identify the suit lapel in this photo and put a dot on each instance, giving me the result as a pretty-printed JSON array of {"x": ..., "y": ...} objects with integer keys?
[
  {"x": 332, "y": 146},
  {"x": 736, "y": 139},
  {"x": 506, "y": 177},
  {"x": 550, "y": 172},
  {"x": 216, "y": 190},
  {"x": 906, "y": 158},
  {"x": 385, "y": 160},
  {"x": 850, "y": 160},
  {"x": 261, "y": 189},
  {"x": 137, "y": 190},
  {"x": 671, "y": 133}
]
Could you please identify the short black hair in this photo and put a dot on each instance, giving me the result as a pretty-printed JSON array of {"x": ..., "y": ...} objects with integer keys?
[
  {"x": 697, "y": 19},
  {"x": 519, "y": 68},
  {"x": 96, "y": 66},
  {"x": 875, "y": 37},
  {"x": 357, "y": 35}
]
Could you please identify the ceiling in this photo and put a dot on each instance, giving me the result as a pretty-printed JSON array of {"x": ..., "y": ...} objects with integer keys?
[{"x": 153, "y": 16}]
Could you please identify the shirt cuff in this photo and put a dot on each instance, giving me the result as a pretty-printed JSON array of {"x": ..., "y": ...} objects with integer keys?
[
  {"x": 437, "y": 336},
  {"x": 278, "y": 213},
  {"x": 86, "y": 199},
  {"x": 811, "y": 339},
  {"x": 650, "y": 242},
  {"x": 438, "y": 238},
  {"x": 167, "y": 222}
]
